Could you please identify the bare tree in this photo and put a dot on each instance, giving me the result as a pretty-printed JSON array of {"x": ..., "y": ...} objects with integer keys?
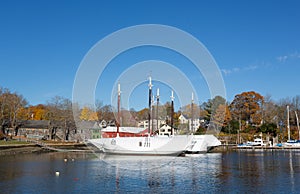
[
  {"x": 16, "y": 102},
  {"x": 10, "y": 106},
  {"x": 269, "y": 114},
  {"x": 296, "y": 103},
  {"x": 4, "y": 107},
  {"x": 60, "y": 116}
]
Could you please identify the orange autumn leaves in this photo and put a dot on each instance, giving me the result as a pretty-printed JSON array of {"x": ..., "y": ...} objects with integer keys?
[{"x": 88, "y": 114}]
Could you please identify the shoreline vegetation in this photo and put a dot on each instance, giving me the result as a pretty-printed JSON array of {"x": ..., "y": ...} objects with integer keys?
[
  {"x": 16, "y": 147},
  {"x": 249, "y": 114}
]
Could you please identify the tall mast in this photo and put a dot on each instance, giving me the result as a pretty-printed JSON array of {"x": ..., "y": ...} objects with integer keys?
[
  {"x": 152, "y": 113},
  {"x": 297, "y": 125},
  {"x": 172, "y": 112},
  {"x": 150, "y": 95},
  {"x": 192, "y": 110},
  {"x": 288, "y": 122},
  {"x": 119, "y": 99},
  {"x": 157, "y": 103}
]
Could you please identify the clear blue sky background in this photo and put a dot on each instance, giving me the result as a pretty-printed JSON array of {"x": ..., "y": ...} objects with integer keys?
[{"x": 255, "y": 43}]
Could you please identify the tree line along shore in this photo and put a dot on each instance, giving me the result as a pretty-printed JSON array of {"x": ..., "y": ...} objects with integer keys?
[{"x": 247, "y": 114}]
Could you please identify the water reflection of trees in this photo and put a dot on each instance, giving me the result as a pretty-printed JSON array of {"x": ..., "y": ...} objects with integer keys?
[{"x": 259, "y": 171}]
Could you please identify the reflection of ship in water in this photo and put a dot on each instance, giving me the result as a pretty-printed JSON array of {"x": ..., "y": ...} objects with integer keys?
[
  {"x": 161, "y": 174},
  {"x": 131, "y": 162}
]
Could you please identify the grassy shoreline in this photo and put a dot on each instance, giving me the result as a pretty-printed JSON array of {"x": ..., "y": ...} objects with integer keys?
[{"x": 13, "y": 147}]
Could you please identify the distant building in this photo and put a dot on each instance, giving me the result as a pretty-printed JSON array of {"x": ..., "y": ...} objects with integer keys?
[
  {"x": 88, "y": 129},
  {"x": 33, "y": 129},
  {"x": 193, "y": 125},
  {"x": 95, "y": 133},
  {"x": 144, "y": 123},
  {"x": 183, "y": 119}
]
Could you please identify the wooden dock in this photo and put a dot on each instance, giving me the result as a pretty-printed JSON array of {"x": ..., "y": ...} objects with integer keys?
[{"x": 234, "y": 147}]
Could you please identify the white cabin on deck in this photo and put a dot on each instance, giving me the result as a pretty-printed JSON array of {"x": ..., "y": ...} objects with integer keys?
[
  {"x": 103, "y": 124},
  {"x": 165, "y": 130}
]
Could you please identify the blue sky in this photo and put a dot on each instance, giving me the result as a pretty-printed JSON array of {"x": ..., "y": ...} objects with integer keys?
[{"x": 256, "y": 44}]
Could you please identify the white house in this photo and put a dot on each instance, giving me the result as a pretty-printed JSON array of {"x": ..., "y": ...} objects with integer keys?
[
  {"x": 193, "y": 126},
  {"x": 144, "y": 123},
  {"x": 183, "y": 119}
]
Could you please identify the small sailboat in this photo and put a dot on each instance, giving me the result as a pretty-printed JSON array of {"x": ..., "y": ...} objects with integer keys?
[
  {"x": 145, "y": 145},
  {"x": 290, "y": 142}
]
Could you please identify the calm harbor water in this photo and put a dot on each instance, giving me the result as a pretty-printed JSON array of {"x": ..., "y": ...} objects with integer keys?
[{"x": 233, "y": 172}]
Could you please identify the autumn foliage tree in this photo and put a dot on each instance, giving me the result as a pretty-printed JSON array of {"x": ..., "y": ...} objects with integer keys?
[
  {"x": 38, "y": 112},
  {"x": 247, "y": 106},
  {"x": 212, "y": 105},
  {"x": 87, "y": 114},
  {"x": 248, "y": 110},
  {"x": 105, "y": 113},
  {"x": 187, "y": 110},
  {"x": 222, "y": 115}
]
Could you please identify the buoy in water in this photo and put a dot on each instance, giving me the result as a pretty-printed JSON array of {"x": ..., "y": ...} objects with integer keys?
[
  {"x": 57, "y": 173},
  {"x": 65, "y": 159}
]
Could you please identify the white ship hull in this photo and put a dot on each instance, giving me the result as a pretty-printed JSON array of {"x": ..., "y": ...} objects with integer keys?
[
  {"x": 202, "y": 143},
  {"x": 151, "y": 145}
]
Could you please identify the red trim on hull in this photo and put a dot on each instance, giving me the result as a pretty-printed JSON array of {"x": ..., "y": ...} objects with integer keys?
[{"x": 107, "y": 134}]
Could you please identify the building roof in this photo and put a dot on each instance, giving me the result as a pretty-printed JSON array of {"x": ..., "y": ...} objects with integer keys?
[
  {"x": 44, "y": 124},
  {"x": 87, "y": 125}
]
